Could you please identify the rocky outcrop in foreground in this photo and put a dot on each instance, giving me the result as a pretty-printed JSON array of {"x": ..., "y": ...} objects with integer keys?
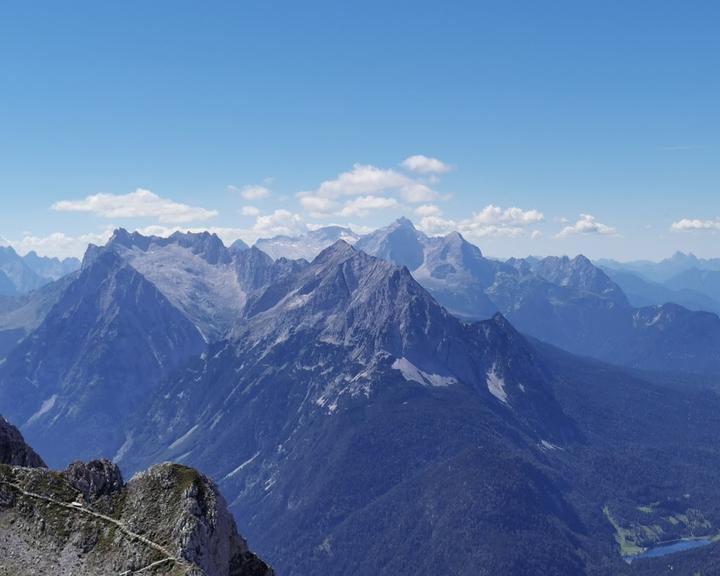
[
  {"x": 13, "y": 449},
  {"x": 86, "y": 521}
]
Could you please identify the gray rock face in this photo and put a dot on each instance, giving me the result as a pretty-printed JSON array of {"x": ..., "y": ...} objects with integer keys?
[
  {"x": 170, "y": 519},
  {"x": 94, "y": 479},
  {"x": 106, "y": 344},
  {"x": 13, "y": 449},
  {"x": 85, "y": 521}
]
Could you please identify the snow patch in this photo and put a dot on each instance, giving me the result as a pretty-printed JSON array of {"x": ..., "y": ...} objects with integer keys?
[
  {"x": 184, "y": 437},
  {"x": 496, "y": 385},
  {"x": 412, "y": 373},
  {"x": 45, "y": 407},
  {"x": 545, "y": 445},
  {"x": 120, "y": 454},
  {"x": 243, "y": 465}
]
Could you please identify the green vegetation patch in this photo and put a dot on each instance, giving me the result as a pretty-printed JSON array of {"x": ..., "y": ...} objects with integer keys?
[{"x": 623, "y": 537}]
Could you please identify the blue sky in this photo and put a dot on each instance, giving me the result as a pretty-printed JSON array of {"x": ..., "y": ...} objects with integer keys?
[{"x": 558, "y": 126}]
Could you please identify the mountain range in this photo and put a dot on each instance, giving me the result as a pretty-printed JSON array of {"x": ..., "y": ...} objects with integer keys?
[
  {"x": 398, "y": 404},
  {"x": 568, "y": 302},
  {"x": 21, "y": 274}
]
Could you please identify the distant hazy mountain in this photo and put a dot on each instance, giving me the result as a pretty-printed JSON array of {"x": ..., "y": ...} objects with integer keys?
[
  {"x": 50, "y": 268},
  {"x": 641, "y": 292},
  {"x": 706, "y": 282},
  {"x": 21, "y": 274},
  {"x": 16, "y": 277},
  {"x": 665, "y": 269},
  {"x": 21, "y": 314},
  {"x": 306, "y": 246},
  {"x": 238, "y": 246},
  {"x": 567, "y": 302}
]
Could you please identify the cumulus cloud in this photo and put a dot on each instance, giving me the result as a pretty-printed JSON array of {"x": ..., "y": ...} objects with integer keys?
[
  {"x": 425, "y": 164},
  {"x": 686, "y": 224},
  {"x": 587, "y": 225},
  {"x": 491, "y": 221},
  {"x": 252, "y": 191},
  {"x": 428, "y": 210},
  {"x": 362, "y": 179},
  {"x": 139, "y": 204},
  {"x": 512, "y": 216},
  {"x": 249, "y": 211},
  {"x": 365, "y": 180},
  {"x": 415, "y": 192},
  {"x": 280, "y": 223},
  {"x": 318, "y": 206},
  {"x": 364, "y": 204},
  {"x": 59, "y": 244}
]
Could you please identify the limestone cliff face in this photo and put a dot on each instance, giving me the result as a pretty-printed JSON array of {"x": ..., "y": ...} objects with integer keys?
[
  {"x": 13, "y": 449},
  {"x": 86, "y": 521}
]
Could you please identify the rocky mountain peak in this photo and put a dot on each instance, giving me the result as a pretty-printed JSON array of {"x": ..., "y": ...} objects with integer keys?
[
  {"x": 238, "y": 246},
  {"x": 95, "y": 479},
  {"x": 332, "y": 233},
  {"x": 579, "y": 273},
  {"x": 205, "y": 244},
  {"x": 336, "y": 252},
  {"x": 400, "y": 242},
  {"x": 85, "y": 521},
  {"x": 13, "y": 449}
]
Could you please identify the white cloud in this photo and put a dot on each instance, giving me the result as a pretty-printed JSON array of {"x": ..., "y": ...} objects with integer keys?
[
  {"x": 428, "y": 210},
  {"x": 252, "y": 191},
  {"x": 364, "y": 204},
  {"x": 587, "y": 225},
  {"x": 513, "y": 216},
  {"x": 139, "y": 204},
  {"x": 280, "y": 223},
  {"x": 536, "y": 234},
  {"x": 249, "y": 211},
  {"x": 686, "y": 224},
  {"x": 364, "y": 180},
  {"x": 436, "y": 226},
  {"x": 425, "y": 164},
  {"x": 318, "y": 206},
  {"x": 415, "y": 192},
  {"x": 491, "y": 221},
  {"x": 59, "y": 244}
]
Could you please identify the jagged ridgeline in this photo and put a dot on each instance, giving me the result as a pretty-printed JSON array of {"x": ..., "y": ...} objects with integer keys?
[
  {"x": 382, "y": 413},
  {"x": 86, "y": 521}
]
